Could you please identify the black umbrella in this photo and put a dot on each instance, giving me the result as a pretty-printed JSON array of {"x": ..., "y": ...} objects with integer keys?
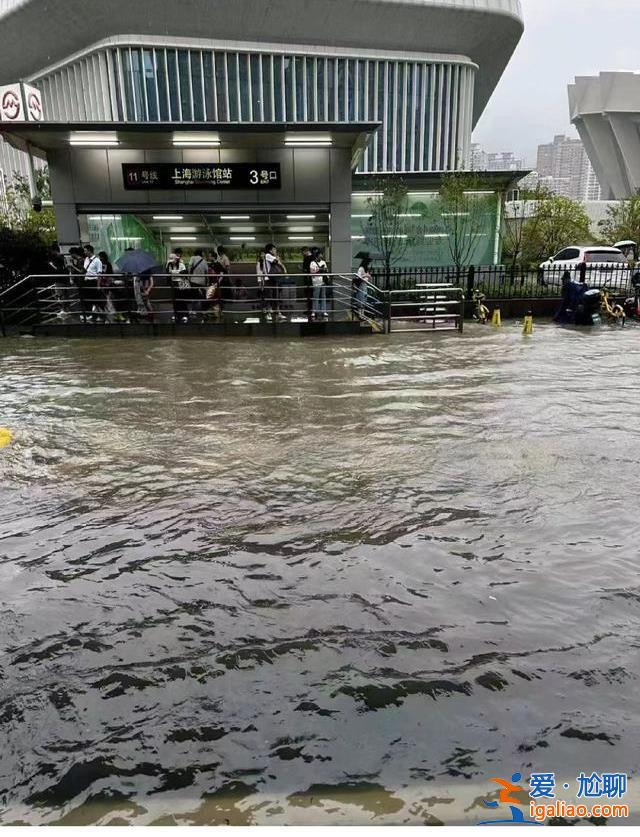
[{"x": 138, "y": 262}]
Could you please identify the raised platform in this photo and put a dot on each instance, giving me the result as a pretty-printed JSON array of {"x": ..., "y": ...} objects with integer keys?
[{"x": 221, "y": 329}]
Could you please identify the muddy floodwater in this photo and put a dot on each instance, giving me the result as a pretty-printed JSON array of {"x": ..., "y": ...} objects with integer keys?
[{"x": 316, "y": 581}]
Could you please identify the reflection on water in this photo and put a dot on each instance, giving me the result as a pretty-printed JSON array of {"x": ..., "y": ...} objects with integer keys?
[{"x": 314, "y": 581}]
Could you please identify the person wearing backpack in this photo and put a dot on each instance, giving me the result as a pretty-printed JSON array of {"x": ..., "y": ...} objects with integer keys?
[{"x": 319, "y": 279}]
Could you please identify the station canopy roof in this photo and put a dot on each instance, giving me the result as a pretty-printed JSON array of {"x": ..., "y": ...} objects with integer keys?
[{"x": 41, "y": 137}]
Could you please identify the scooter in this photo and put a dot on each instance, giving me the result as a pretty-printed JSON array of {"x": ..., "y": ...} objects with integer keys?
[{"x": 613, "y": 313}]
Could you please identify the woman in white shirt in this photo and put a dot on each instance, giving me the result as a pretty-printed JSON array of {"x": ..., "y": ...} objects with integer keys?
[
  {"x": 363, "y": 277},
  {"x": 318, "y": 269},
  {"x": 273, "y": 269}
]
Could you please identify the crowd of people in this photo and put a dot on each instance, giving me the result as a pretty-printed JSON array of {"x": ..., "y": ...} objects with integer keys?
[{"x": 204, "y": 286}]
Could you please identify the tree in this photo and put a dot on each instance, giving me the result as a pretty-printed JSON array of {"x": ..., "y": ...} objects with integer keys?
[
  {"x": 556, "y": 222},
  {"x": 520, "y": 216},
  {"x": 19, "y": 214},
  {"x": 623, "y": 221},
  {"x": 21, "y": 252},
  {"x": 390, "y": 229},
  {"x": 461, "y": 214}
]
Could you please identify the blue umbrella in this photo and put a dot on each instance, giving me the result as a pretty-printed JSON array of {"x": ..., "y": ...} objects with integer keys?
[{"x": 138, "y": 262}]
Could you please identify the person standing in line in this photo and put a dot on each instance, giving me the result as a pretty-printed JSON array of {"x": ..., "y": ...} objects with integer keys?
[
  {"x": 75, "y": 262},
  {"x": 177, "y": 270},
  {"x": 105, "y": 282},
  {"x": 55, "y": 261},
  {"x": 261, "y": 275},
  {"x": 318, "y": 269},
  {"x": 142, "y": 287},
  {"x": 199, "y": 275},
  {"x": 93, "y": 300},
  {"x": 198, "y": 269},
  {"x": 362, "y": 279},
  {"x": 176, "y": 267},
  {"x": 92, "y": 263},
  {"x": 274, "y": 269},
  {"x": 223, "y": 260},
  {"x": 307, "y": 258}
]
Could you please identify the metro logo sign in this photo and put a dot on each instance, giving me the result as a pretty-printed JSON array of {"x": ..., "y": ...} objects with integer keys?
[
  {"x": 20, "y": 103},
  {"x": 33, "y": 100},
  {"x": 11, "y": 104}
]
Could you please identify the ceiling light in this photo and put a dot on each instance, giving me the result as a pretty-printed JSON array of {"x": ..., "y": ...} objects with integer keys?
[
  {"x": 195, "y": 144},
  {"x": 168, "y": 217},
  {"x": 93, "y": 139},
  {"x": 243, "y": 238},
  {"x": 94, "y": 143},
  {"x": 367, "y": 194},
  {"x": 357, "y": 238},
  {"x": 298, "y": 238},
  {"x": 184, "y": 230},
  {"x": 307, "y": 143},
  {"x": 184, "y": 238},
  {"x": 395, "y": 236},
  {"x": 409, "y": 215},
  {"x": 235, "y": 217},
  {"x": 361, "y": 216},
  {"x": 195, "y": 140},
  {"x": 105, "y": 217},
  {"x": 301, "y": 217},
  {"x": 308, "y": 140},
  {"x": 127, "y": 238},
  {"x": 242, "y": 229},
  {"x": 300, "y": 229}
]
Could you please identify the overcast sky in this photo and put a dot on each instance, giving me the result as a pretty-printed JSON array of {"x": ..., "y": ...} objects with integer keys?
[{"x": 562, "y": 39}]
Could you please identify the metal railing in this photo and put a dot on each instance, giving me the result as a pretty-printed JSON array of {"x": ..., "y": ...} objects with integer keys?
[
  {"x": 500, "y": 282},
  {"x": 433, "y": 307},
  {"x": 62, "y": 299},
  {"x": 47, "y": 300}
]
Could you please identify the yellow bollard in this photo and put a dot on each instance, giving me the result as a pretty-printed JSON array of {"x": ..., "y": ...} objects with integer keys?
[
  {"x": 6, "y": 437},
  {"x": 528, "y": 325},
  {"x": 496, "y": 320}
]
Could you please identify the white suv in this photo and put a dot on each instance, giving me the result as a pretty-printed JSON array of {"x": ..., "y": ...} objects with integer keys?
[{"x": 606, "y": 266}]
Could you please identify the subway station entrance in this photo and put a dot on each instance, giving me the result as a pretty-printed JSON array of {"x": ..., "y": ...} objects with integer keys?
[
  {"x": 158, "y": 186},
  {"x": 242, "y": 232}
]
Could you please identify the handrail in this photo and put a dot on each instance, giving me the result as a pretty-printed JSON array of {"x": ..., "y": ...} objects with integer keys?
[
  {"x": 15, "y": 285},
  {"x": 180, "y": 298}
]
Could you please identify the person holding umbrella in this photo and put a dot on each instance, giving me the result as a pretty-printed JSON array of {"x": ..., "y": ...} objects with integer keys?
[{"x": 140, "y": 266}]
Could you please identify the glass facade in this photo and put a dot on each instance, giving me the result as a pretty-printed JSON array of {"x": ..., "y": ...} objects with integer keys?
[
  {"x": 430, "y": 246},
  {"x": 425, "y": 107}
]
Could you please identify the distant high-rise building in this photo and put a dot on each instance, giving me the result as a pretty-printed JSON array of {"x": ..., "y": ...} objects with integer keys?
[
  {"x": 564, "y": 167},
  {"x": 501, "y": 161}
]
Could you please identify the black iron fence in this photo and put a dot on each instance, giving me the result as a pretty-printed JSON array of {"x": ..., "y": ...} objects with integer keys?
[{"x": 500, "y": 282}]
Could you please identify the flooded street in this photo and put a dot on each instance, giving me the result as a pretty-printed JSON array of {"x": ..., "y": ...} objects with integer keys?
[{"x": 315, "y": 581}]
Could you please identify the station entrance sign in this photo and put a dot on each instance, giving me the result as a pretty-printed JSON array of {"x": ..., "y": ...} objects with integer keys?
[{"x": 145, "y": 176}]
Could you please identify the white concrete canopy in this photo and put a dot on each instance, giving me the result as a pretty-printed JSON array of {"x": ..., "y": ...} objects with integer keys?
[
  {"x": 35, "y": 34},
  {"x": 606, "y": 112}
]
